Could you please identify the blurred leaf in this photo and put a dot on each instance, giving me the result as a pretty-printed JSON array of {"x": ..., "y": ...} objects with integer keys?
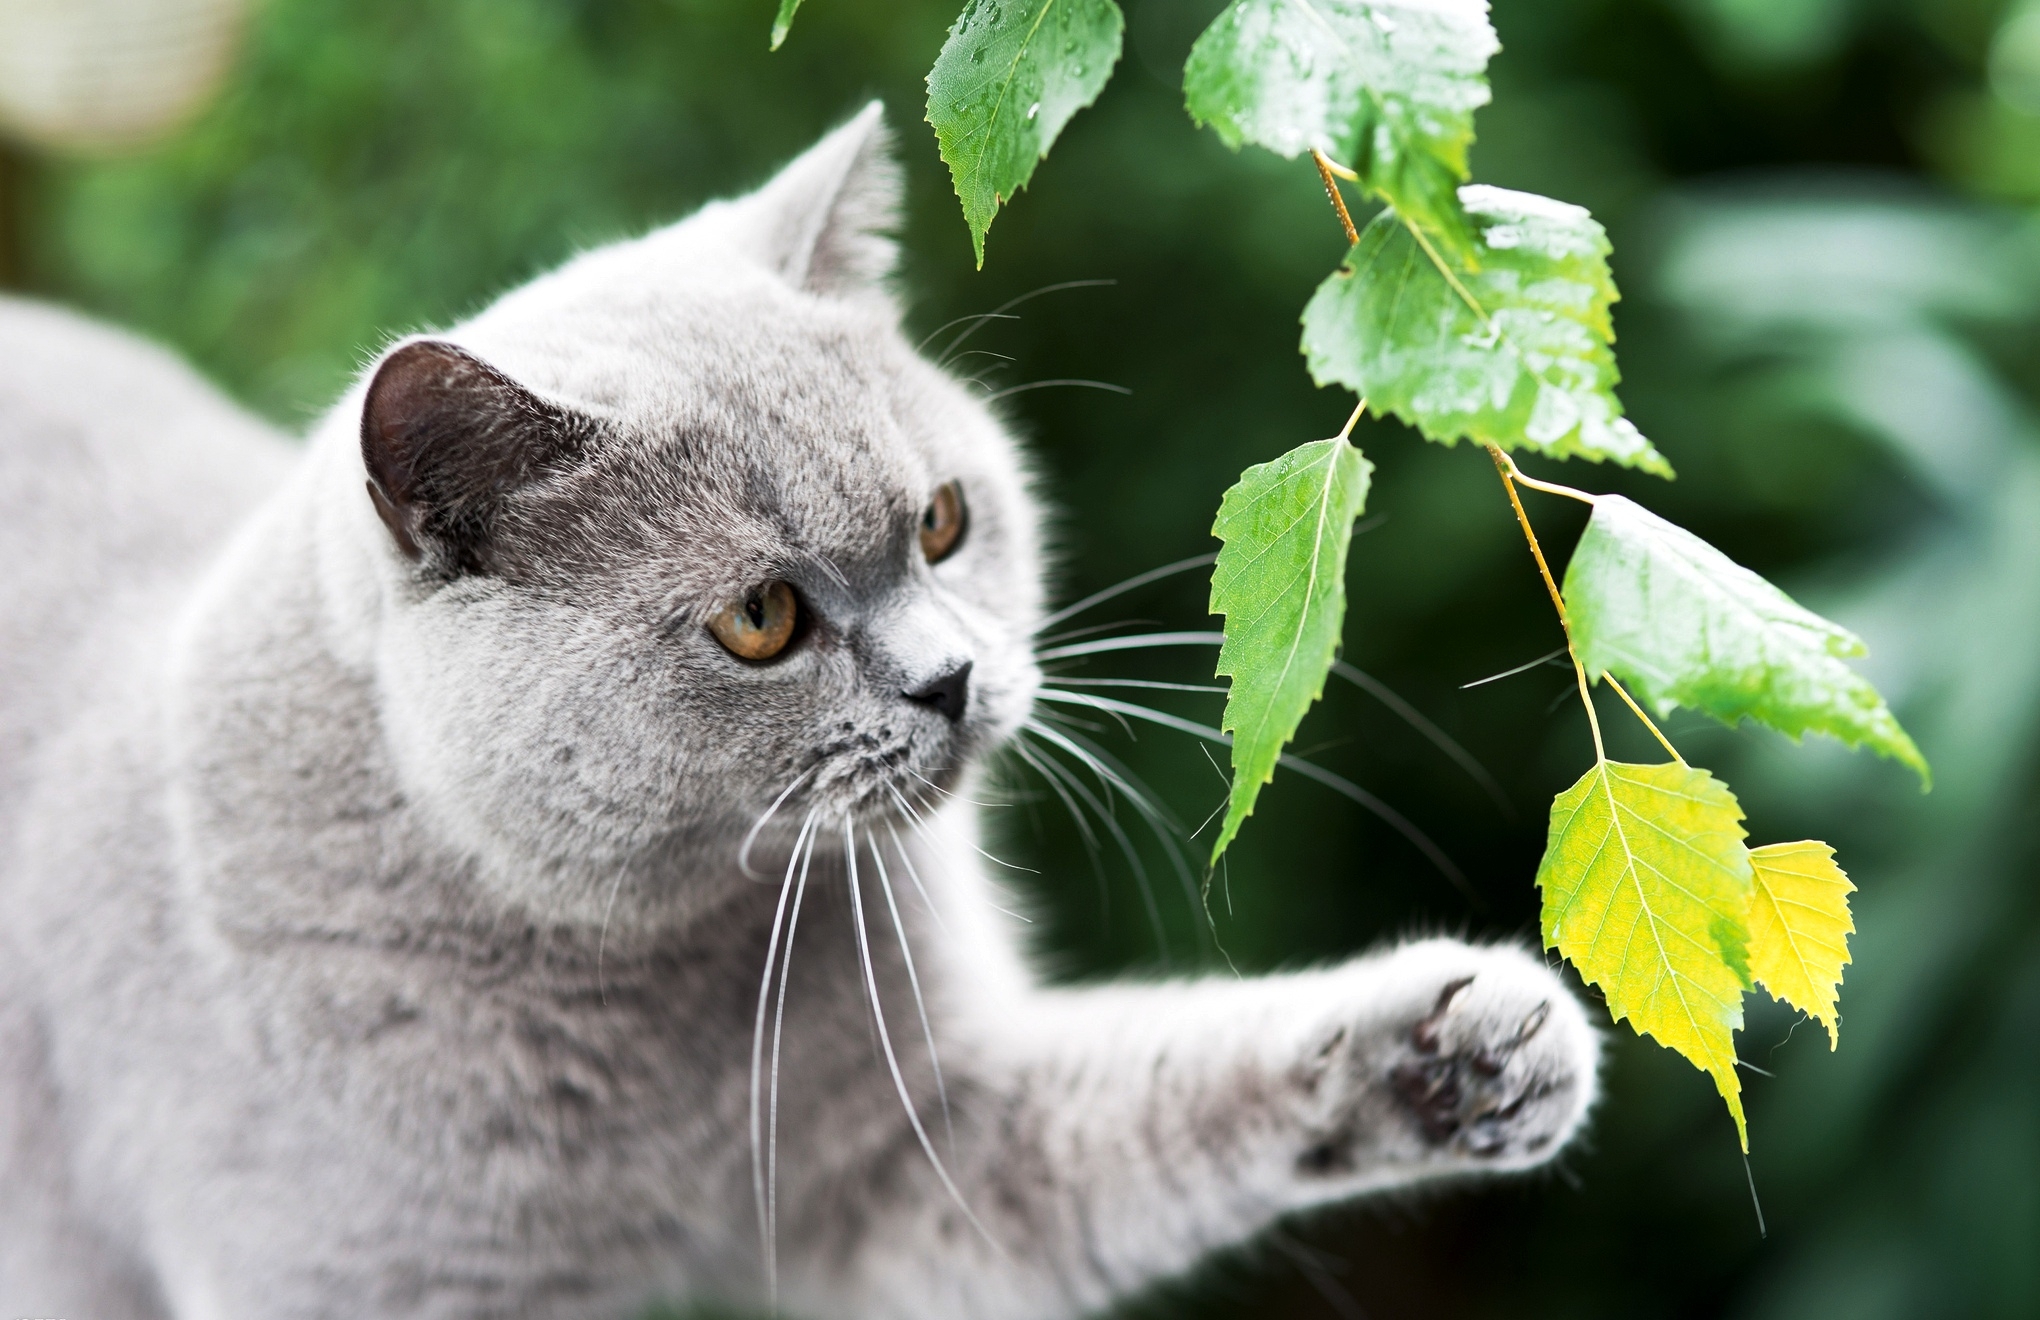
[
  {"x": 1387, "y": 87},
  {"x": 1009, "y": 77},
  {"x": 1515, "y": 353},
  {"x": 783, "y": 24},
  {"x": 1799, "y": 927},
  {"x": 1656, "y": 605},
  {"x": 1281, "y": 583},
  {"x": 1646, "y": 888}
]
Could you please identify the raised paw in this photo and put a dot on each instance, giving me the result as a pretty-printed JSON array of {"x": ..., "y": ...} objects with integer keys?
[{"x": 1454, "y": 1057}]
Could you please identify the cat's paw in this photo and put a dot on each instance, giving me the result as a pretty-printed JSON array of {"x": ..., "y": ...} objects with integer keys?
[{"x": 1455, "y": 1057}]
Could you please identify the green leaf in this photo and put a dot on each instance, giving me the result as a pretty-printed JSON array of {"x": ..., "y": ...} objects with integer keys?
[
  {"x": 1280, "y": 582},
  {"x": 1009, "y": 77},
  {"x": 1685, "y": 625},
  {"x": 1515, "y": 353},
  {"x": 783, "y": 24},
  {"x": 1388, "y": 87},
  {"x": 1646, "y": 888},
  {"x": 1800, "y": 927}
]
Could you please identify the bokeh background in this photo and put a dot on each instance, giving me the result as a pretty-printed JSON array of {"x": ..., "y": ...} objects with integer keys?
[{"x": 1824, "y": 221}]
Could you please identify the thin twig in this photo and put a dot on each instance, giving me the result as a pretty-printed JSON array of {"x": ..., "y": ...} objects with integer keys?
[
  {"x": 1548, "y": 487},
  {"x": 1503, "y": 468},
  {"x": 1346, "y": 431},
  {"x": 1637, "y": 710},
  {"x": 1325, "y": 172}
]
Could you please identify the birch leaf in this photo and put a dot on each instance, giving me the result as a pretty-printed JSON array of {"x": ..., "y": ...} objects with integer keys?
[
  {"x": 1515, "y": 353},
  {"x": 1646, "y": 887},
  {"x": 1388, "y": 87},
  {"x": 783, "y": 23},
  {"x": 1800, "y": 927},
  {"x": 1011, "y": 74},
  {"x": 1280, "y": 582},
  {"x": 1685, "y": 625}
]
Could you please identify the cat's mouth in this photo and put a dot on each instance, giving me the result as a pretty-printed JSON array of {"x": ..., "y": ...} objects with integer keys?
[{"x": 885, "y": 772}]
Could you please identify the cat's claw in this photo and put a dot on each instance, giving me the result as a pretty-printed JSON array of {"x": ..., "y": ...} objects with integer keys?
[{"x": 1494, "y": 1068}]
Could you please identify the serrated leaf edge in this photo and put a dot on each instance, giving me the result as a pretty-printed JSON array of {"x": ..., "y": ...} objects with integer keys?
[{"x": 1247, "y": 790}]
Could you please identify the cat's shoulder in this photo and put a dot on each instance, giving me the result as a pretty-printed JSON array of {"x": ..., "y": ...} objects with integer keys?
[
  {"x": 114, "y": 453},
  {"x": 121, "y": 471}
]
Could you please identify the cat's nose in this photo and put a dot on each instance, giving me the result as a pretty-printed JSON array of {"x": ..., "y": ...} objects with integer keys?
[{"x": 948, "y": 694}]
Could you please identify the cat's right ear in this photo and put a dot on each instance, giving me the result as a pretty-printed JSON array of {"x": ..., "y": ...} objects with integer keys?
[
  {"x": 822, "y": 223},
  {"x": 445, "y": 439}
]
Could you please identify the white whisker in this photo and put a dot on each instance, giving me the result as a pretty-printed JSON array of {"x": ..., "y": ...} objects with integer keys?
[
  {"x": 1106, "y": 768},
  {"x": 959, "y": 320},
  {"x": 1136, "y": 683},
  {"x": 1394, "y": 819},
  {"x": 1107, "y": 386},
  {"x": 1027, "y": 754},
  {"x": 1092, "y": 630},
  {"x": 758, "y": 1179},
  {"x": 1440, "y": 739},
  {"x": 914, "y": 980},
  {"x": 1137, "y": 580},
  {"x": 807, "y": 857},
  {"x": 744, "y": 849},
  {"x": 998, "y": 313},
  {"x": 885, "y": 1040},
  {"x": 915, "y": 875},
  {"x": 1160, "y": 823},
  {"x": 1137, "y": 642},
  {"x": 1523, "y": 668},
  {"x": 922, "y": 825},
  {"x": 1053, "y": 772}
]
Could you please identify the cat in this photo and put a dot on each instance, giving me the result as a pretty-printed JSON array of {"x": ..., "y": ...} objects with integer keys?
[{"x": 450, "y": 867}]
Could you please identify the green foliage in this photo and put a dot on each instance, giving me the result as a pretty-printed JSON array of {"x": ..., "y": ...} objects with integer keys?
[
  {"x": 783, "y": 22},
  {"x": 1281, "y": 583},
  {"x": 1658, "y": 606},
  {"x": 1471, "y": 313},
  {"x": 1842, "y": 370},
  {"x": 1387, "y": 86},
  {"x": 1514, "y": 352},
  {"x": 1646, "y": 890},
  {"x": 1011, "y": 74}
]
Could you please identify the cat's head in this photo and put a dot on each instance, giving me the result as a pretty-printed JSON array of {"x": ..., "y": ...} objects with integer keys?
[{"x": 687, "y": 530}]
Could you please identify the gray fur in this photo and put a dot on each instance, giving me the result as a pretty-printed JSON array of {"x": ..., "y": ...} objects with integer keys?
[{"x": 376, "y": 941}]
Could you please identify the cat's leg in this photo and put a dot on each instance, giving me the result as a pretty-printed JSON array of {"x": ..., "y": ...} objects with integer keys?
[{"x": 1109, "y": 1137}]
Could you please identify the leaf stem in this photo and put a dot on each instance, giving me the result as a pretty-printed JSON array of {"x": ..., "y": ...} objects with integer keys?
[
  {"x": 1517, "y": 475},
  {"x": 1637, "y": 710},
  {"x": 1507, "y": 471},
  {"x": 1330, "y": 166},
  {"x": 1346, "y": 431},
  {"x": 1326, "y": 170},
  {"x": 1512, "y": 476}
]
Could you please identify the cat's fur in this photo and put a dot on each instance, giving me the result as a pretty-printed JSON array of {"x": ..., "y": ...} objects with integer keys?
[{"x": 373, "y": 938}]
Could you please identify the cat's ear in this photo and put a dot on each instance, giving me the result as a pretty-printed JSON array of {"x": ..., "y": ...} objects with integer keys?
[
  {"x": 445, "y": 438},
  {"x": 823, "y": 222}
]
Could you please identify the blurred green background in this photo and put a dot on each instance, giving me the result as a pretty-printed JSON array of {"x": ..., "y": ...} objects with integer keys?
[{"x": 1823, "y": 220}]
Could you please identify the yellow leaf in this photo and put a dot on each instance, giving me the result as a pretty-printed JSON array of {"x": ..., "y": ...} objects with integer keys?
[
  {"x": 1800, "y": 927},
  {"x": 1646, "y": 889}
]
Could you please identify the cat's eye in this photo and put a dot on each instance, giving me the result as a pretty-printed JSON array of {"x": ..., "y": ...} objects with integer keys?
[
  {"x": 758, "y": 624},
  {"x": 942, "y": 523}
]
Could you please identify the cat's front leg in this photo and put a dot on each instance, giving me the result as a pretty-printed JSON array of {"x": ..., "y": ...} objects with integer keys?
[{"x": 1117, "y": 1134}]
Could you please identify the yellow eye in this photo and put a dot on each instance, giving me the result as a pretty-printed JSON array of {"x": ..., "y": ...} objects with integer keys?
[
  {"x": 942, "y": 522},
  {"x": 758, "y": 624}
]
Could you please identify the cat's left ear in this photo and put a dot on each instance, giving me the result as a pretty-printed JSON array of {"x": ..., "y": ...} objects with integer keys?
[{"x": 824, "y": 221}]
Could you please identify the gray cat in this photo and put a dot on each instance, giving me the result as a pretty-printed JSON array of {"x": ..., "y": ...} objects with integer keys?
[{"x": 511, "y": 855}]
